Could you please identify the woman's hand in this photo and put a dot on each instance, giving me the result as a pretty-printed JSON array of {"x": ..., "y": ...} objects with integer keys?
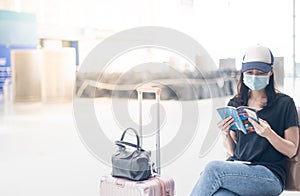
[
  {"x": 225, "y": 125},
  {"x": 262, "y": 128},
  {"x": 287, "y": 145}
]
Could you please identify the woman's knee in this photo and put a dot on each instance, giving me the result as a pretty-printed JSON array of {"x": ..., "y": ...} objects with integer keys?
[{"x": 214, "y": 167}]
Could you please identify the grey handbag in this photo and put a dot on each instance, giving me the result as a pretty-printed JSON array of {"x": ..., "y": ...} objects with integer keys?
[{"x": 131, "y": 163}]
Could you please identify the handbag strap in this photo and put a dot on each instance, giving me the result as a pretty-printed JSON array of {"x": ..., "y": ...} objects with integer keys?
[
  {"x": 130, "y": 144},
  {"x": 122, "y": 144}
]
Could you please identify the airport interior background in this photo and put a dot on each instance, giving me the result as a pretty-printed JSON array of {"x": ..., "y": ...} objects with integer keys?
[{"x": 69, "y": 70}]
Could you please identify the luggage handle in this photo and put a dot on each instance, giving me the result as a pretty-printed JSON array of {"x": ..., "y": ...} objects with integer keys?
[
  {"x": 157, "y": 91},
  {"x": 147, "y": 89}
]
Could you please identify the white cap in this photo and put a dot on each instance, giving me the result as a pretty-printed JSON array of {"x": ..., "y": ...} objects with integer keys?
[{"x": 258, "y": 57}]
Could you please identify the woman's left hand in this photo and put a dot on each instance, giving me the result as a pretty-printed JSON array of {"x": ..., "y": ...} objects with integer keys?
[{"x": 262, "y": 128}]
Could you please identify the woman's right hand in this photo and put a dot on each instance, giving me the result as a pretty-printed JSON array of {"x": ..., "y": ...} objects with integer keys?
[
  {"x": 225, "y": 125},
  {"x": 229, "y": 137}
]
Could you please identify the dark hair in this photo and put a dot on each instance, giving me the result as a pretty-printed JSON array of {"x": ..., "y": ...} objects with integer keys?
[{"x": 243, "y": 91}]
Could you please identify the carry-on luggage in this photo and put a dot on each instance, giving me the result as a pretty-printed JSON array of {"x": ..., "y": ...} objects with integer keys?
[{"x": 154, "y": 186}]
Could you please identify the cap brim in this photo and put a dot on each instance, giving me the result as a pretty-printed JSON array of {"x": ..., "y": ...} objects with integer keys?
[{"x": 256, "y": 65}]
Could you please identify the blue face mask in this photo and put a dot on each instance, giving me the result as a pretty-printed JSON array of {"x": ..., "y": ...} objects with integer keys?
[{"x": 256, "y": 82}]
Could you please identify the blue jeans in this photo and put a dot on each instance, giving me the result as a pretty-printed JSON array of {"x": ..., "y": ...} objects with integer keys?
[{"x": 228, "y": 178}]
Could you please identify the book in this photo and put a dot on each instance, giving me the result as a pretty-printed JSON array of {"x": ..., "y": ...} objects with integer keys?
[{"x": 240, "y": 115}]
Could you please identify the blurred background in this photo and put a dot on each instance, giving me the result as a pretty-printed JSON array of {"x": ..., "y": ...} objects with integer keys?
[
  {"x": 44, "y": 43},
  {"x": 48, "y": 41}
]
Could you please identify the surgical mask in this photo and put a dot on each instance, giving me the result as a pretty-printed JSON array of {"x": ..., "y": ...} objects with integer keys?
[{"x": 256, "y": 82}]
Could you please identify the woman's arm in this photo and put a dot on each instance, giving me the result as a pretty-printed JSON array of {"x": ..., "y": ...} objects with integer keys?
[
  {"x": 287, "y": 145},
  {"x": 228, "y": 141}
]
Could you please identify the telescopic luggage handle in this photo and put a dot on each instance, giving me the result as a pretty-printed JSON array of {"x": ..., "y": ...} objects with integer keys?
[
  {"x": 157, "y": 91},
  {"x": 148, "y": 89}
]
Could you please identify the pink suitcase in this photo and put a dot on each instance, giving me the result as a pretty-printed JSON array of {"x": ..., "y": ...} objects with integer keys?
[{"x": 155, "y": 186}]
